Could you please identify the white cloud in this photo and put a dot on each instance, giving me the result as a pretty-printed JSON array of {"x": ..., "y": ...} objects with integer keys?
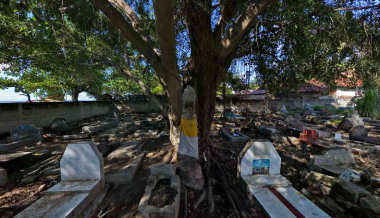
[{"x": 9, "y": 94}]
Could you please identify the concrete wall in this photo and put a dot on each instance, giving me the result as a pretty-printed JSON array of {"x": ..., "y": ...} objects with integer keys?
[{"x": 41, "y": 114}]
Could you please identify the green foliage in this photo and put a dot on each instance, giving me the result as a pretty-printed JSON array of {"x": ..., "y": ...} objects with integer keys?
[
  {"x": 49, "y": 50},
  {"x": 299, "y": 40},
  {"x": 369, "y": 105}
]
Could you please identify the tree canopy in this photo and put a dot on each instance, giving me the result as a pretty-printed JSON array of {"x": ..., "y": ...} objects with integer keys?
[{"x": 150, "y": 46}]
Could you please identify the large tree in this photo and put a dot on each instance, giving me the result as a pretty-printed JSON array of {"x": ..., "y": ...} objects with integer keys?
[{"x": 213, "y": 43}]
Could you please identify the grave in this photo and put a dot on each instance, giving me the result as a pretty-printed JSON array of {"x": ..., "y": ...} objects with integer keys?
[
  {"x": 81, "y": 188},
  {"x": 259, "y": 167},
  {"x": 162, "y": 193},
  {"x": 233, "y": 136}
]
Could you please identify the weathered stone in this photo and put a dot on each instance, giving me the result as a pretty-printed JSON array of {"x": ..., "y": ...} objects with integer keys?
[
  {"x": 350, "y": 122},
  {"x": 13, "y": 156},
  {"x": 332, "y": 205},
  {"x": 81, "y": 161},
  {"x": 3, "y": 177},
  {"x": 349, "y": 191},
  {"x": 335, "y": 157},
  {"x": 358, "y": 131},
  {"x": 124, "y": 151},
  {"x": 127, "y": 173},
  {"x": 75, "y": 137},
  {"x": 191, "y": 174},
  {"x": 81, "y": 188},
  {"x": 23, "y": 131},
  {"x": 162, "y": 169},
  {"x": 313, "y": 177},
  {"x": 371, "y": 205},
  {"x": 268, "y": 132},
  {"x": 234, "y": 137},
  {"x": 164, "y": 208},
  {"x": 60, "y": 125},
  {"x": 104, "y": 125},
  {"x": 296, "y": 123}
]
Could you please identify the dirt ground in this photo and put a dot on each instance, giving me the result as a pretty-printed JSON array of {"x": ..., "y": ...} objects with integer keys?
[{"x": 30, "y": 176}]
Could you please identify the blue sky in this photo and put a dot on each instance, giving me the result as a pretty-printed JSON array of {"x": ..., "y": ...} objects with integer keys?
[{"x": 9, "y": 94}]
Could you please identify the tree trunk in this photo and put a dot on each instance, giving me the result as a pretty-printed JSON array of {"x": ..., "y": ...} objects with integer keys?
[
  {"x": 74, "y": 95},
  {"x": 207, "y": 79}
]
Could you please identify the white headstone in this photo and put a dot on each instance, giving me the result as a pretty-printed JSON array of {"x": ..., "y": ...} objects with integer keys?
[
  {"x": 261, "y": 158},
  {"x": 81, "y": 161}
]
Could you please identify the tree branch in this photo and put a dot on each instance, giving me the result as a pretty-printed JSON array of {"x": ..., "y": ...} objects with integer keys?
[
  {"x": 143, "y": 45},
  {"x": 123, "y": 6},
  {"x": 357, "y": 8},
  {"x": 228, "y": 10},
  {"x": 242, "y": 26}
]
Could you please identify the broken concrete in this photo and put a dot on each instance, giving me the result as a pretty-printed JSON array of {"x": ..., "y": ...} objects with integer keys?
[
  {"x": 165, "y": 210},
  {"x": 126, "y": 150},
  {"x": 350, "y": 122},
  {"x": 60, "y": 125},
  {"x": 191, "y": 174},
  {"x": 102, "y": 126},
  {"x": 370, "y": 205},
  {"x": 349, "y": 191},
  {"x": 335, "y": 157},
  {"x": 127, "y": 173},
  {"x": 13, "y": 156}
]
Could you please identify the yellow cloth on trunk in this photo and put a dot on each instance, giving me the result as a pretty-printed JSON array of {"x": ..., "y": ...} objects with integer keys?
[{"x": 188, "y": 127}]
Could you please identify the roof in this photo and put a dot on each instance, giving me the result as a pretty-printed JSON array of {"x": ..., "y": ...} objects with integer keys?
[{"x": 313, "y": 85}]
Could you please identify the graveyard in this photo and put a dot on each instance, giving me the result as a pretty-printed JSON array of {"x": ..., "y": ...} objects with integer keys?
[
  {"x": 189, "y": 109},
  {"x": 96, "y": 169}
]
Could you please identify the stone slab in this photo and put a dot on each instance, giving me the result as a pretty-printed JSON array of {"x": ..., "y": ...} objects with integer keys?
[
  {"x": 75, "y": 186},
  {"x": 349, "y": 191},
  {"x": 12, "y": 156},
  {"x": 124, "y": 151},
  {"x": 127, "y": 173},
  {"x": 81, "y": 161},
  {"x": 104, "y": 125},
  {"x": 14, "y": 145},
  {"x": 276, "y": 208},
  {"x": 259, "y": 181},
  {"x": 60, "y": 204}
]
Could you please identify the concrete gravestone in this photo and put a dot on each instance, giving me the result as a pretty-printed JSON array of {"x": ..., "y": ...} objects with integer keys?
[
  {"x": 81, "y": 161},
  {"x": 259, "y": 158},
  {"x": 260, "y": 169},
  {"x": 81, "y": 188}
]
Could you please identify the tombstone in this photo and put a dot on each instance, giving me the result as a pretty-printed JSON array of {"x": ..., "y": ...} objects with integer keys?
[
  {"x": 260, "y": 169},
  {"x": 261, "y": 158},
  {"x": 82, "y": 161},
  {"x": 81, "y": 188}
]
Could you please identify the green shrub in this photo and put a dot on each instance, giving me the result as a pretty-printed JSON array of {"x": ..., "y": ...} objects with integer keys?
[{"x": 369, "y": 105}]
